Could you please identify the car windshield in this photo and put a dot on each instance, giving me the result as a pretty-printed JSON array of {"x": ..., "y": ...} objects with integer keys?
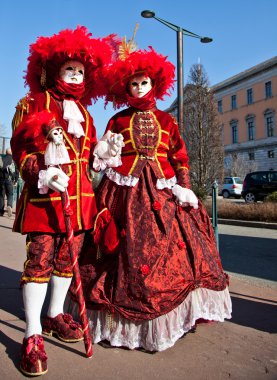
[{"x": 238, "y": 180}]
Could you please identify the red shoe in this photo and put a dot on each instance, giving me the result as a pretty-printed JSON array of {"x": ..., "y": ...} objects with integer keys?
[
  {"x": 63, "y": 327},
  {"x": 202, "y": 320},
  {"x": 33, "y": 357}
]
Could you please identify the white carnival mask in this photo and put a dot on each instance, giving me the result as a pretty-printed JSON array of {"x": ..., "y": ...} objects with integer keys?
[
  {"x": 72, "y": 72},
  {"x": 56, "y": 136},
  {"x": 139, "y": 86}
]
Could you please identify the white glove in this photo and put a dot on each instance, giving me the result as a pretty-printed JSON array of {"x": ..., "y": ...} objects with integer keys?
[
  {"x": 186, "y": 197},
  {"x": 56, "y": 179},
  {"x": 109, "y": 146},
  {"x": 116, "y": 142},
  {"x": 56, "y": 135}
]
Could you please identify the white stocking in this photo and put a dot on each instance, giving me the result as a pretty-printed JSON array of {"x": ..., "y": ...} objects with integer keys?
[
  {"x": 59, "y": 288},
  {"x": 33, "y": 298}
]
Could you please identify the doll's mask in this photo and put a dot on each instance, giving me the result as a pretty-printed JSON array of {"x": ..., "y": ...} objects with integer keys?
[
  {"x": 139, "y": 86},
  {"x": 72, "y": 72},
  {"x": 56, "y": 135}
]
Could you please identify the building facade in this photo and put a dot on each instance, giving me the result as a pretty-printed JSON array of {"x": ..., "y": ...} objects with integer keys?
[{"x": 247, "y": 105}]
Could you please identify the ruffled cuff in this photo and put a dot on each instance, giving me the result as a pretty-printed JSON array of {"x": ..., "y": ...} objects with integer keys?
[
  {"x": 164, "y": 183},
  {"x": 43, "y": 188},
  {"x": 103, "y": 163},
  {"x": 121, "y": 180}
]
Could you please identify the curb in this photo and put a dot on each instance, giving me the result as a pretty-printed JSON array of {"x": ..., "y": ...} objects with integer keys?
[{"x": 248, "y": 223}]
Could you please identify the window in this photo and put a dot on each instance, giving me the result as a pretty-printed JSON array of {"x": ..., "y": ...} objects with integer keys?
[
  {"x": 234, "y": 131},
  {"x": 228, "y": 181},
  {"x": 269, "y": 121},
  {"x": 250, "y": 130},
  {"x": 249, "y": 96},
  {"x": 250, "y": 125},
  {"x": 233, "y": 102},
  {"x": 251, "y": 156},
  {"x": 272, "y": 176},
  {"x": 219, "y": 106},
  {"x": 259, "y": 177},
  {"x": 270, "y": 153},
  {"x": 269, "y": 126},
  {"x": 268, "y": 90}
]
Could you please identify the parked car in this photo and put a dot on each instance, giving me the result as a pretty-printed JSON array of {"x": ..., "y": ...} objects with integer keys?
[
  {"x": 257, "y": 185},
  {"x": 232, "y": 187}
]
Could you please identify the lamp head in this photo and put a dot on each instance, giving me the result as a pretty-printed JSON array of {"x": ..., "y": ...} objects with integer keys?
[
  {"x": 206, "y": 40},
  {"x": 147, "y": 14}
]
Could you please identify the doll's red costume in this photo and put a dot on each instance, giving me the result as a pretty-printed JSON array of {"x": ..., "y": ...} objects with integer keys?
[
  {"x": 164, "y": 273},
  {"x": 63, "y": 75}
]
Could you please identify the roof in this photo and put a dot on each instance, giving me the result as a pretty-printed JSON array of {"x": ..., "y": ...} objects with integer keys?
[
  {"x": 266, "y": 65},
  {"x": 252, "y": 71}
]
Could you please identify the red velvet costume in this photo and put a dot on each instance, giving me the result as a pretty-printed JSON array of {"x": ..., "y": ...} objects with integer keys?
[
  {"x": 39, "y": 212},
  {"x": 43, "y": 212},
  {"x": 41, "y": 111},
  {"x": 150, "y": 137},
  {"x": 52, "y": 144},
  {"x": 167, "y": 258},
  {"x": 166, "y": 251},
  {"x": 165, "y": 273}
]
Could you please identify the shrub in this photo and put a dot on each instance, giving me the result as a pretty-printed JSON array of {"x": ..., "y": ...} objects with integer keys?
[
  {"x": 263, "y": 212},
  {"x": 271, "y": 197},
  {"x": 200, "y": 193}
]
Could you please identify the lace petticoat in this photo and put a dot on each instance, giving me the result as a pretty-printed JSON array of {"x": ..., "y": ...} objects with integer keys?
[{"x": 160, "y": 333}]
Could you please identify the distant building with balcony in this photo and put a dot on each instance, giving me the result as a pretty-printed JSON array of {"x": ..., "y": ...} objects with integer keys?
[{"x": 247, "y": 105}]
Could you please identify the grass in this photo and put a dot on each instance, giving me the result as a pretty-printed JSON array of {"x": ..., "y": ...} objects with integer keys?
[{"x": 260, "y": 212}]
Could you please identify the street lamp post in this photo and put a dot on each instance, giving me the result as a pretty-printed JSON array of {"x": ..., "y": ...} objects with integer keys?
[
  {"x": 180, "y": 77},
  {"x": 180, "y": 86}
]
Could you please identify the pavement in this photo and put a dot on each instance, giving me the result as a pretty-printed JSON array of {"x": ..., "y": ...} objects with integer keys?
[{"x": 244, "y": 347}]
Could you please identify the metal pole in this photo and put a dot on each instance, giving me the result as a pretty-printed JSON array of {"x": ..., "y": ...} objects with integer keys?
[
  {"x": 214, "y": 211},
  {"x": 3, "y": 145},
  {"x": 180, "y": 79}
]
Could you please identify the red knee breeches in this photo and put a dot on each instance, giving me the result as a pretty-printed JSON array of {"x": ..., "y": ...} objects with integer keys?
[{"x": 48, "y": 254}]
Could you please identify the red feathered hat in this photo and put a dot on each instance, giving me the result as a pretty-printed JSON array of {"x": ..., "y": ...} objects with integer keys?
[
  {"x": 47, "y": 55},
  {"x": 147, "y": 62}
]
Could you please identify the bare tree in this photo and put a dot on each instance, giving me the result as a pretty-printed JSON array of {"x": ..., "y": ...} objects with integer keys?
[
  {"x": 4, "y": 139},
  {"x": 202, "y": 132},
  {"x": 238, "y": 165}
]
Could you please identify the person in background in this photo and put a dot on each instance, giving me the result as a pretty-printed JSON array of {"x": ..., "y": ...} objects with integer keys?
[{"x": 8, "y": 179}]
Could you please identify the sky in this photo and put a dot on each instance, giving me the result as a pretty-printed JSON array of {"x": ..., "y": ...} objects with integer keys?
[{"x": 244, "y": 34}]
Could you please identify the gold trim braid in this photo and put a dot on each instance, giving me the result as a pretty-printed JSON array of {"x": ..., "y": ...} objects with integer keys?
[
  {"x": 62, "y": 274},
  {"x": 133, "y": 144},
  {"x": 97, "y": 216},
  {"x": 21, "y": 109},
  {"x": 48, "y": 98},
  {"x": 35, "y": 279},
  {"x": 158, "y": 143}
]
